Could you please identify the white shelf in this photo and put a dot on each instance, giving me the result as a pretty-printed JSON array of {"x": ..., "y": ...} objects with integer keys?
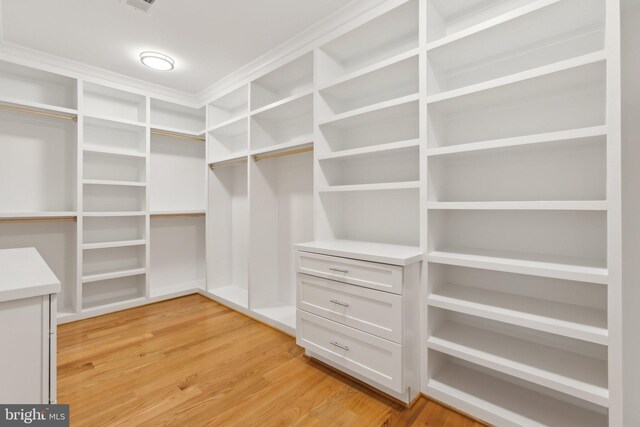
[
  {"x": 39, "y": 214},
  {"x": 113, "y": 275},
  {"x": 573, "y": 135},
  {"x": 365, "y": 151},
  {"x": 114, "y": 119},
  {"x": 552, "y": 205},
  {"x": 503, "y": 403},
  {"x": 370, "y": 187},
  {"x": 113, "y": 183},
  {"x": 112, "y": 214},
  {"x": 564, "y": 371},
  {"x": 120, "y": 244},
  {"x": 368, "y": 251},
  {"x": 232, "y": 294},
  {"x": 178, "y": 131},
  {"x": 305, "y": 141},
  {"x": 113, "y": 152},
  {"x": 369, "y": 109},
  {"x": 584, "y": 72},
  {"x": 513, "y": 79},
  {"x": 553, "y": 15},
  {"x": 227, "y": 123},
  {"x": 283, "y": 315},
  {"x": 574, "y": 321},
  {"x": 282, "y": 102},
  {"x": 371, "y": 68},
  {"x": 533, "y": 264},
  {"x": 229, "y": 159},
  {"x": 44, "y": 108},
  {"x": 113, "y": 304},
  {"x": 179, "y": 212}
]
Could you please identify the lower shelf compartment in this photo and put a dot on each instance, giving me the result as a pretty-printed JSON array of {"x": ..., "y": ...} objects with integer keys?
[
  {"x": 112, "y": 293},
  {"x": 503, "y": 403},
  {"x": 282, "y": 314},
  {"x": 232, "y": 294}
]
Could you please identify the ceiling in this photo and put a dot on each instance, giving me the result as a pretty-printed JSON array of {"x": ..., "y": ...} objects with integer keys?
[{"x": 208, "y": 39}]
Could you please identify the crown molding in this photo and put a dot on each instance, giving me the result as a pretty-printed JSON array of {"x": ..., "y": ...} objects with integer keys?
[{"x": 338, "y": 22}]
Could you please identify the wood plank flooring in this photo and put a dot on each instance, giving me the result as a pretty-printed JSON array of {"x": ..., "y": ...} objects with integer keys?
[{"x": 193, "y": 362}]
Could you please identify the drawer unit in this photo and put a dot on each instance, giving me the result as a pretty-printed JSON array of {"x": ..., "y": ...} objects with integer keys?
[
  {"x": 358, "y": 310},
  {"x": 383, "y": 277},
  {"x": 375, "y": 312},
  {"x": 370, "y": 356}
]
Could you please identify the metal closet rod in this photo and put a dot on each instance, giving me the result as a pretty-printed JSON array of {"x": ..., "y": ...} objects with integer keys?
[
  {"x": 259, "y": 157},
  {"x": 178, "y": 135},
  {"x": 39, "y": 113},
  {"x": 213, "y": 166},
  {"x": 41, "y": 219}
]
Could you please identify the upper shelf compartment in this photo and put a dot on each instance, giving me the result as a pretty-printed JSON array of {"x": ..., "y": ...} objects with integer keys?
[
  {"x": 292, "y": 79},
  {"x": 381, "y": 38},
  {"x": 24, "y": 85},
  {"x": 113, "y": 104},
  {"x": 392, "y": 81},
  {"x": 177, "y": 118},
  {"x": 228, "y": 107},
  {"x": 511, "y": 37}
]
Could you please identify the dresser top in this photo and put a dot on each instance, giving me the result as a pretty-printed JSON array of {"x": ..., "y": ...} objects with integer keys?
[
  {"x": 367, "y": 251},
  {"x": 24, "y": 274}
]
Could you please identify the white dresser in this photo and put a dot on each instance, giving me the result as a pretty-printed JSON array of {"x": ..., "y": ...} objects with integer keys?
[
  {"x": 28, "y": 291},
  {"x": 358, "y": 311}
]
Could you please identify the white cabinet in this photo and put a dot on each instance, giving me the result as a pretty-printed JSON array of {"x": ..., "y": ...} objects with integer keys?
[
  {"x": 28, "y": 291},
  {"x": 360, "y": 315}
]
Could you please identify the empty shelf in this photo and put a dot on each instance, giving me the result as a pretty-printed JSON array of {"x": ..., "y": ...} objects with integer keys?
[
  {"x": 559, "y": 267},
  {"x": 574, "y": 321},
  {"x": 370, "y": 187},
  {"x": 370, "y": 108},
  {"x": 503, "y": 403},
  {"x": 113, "y": 183},
  {"x": 553, "y": 205},
  {"x": 564, "y": 371},
  {"x": 113, "y": 275},
  {"x": 364, "y": 151},
  {"x": 113, "y": 151},
  {"x": 118, "y": 244},
  {"x": 232, "y": 294}
]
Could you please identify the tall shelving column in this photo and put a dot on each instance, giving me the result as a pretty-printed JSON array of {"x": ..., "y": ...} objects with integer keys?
[
  {"x": 523, "y": 210},
  {"x": 115, "y": 212}
]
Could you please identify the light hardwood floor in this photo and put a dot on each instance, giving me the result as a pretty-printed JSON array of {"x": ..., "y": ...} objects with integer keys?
[{"x": 191, "y": 362}]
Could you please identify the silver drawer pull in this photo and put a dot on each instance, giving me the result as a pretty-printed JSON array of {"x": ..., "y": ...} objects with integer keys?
[
  {"x": 344, "y": 347},
  {"x": 339, "y": 270},
  {"x": 335, "y": 301}
]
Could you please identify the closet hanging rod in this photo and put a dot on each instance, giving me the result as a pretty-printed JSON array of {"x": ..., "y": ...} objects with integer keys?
[
  {"x": 40, "y": 219},
  {"x": 259, "y": 157},
  {"x": 177, "y": 135},
  {"x": 38, "y": 112},
  {"x": 213, "y": 166},
  {"x": 179, "y": 215}
]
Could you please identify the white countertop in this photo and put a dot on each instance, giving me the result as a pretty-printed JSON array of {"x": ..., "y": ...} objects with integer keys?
[
  {"x": 374, "y": 252},
  {"x": 24, "y": 274}
]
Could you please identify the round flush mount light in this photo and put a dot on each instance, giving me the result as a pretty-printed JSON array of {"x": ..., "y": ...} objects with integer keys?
[{"x": 157, "y": 61}]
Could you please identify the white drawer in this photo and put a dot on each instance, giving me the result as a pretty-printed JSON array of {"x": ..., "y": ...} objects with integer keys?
[
  {"x": 383, "y": 277},
  {"x": 372, "y": 357},
  {"x": 375, "y": 312}
]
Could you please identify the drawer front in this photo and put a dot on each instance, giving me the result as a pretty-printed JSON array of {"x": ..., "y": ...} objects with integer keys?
[
  {"x": 375, "y": 312},
  {"x": 382, "y": 277},
  {"x": 372, "y": 357}
]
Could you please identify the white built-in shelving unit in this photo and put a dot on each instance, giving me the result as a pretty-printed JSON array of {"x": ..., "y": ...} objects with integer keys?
[
  {"x": 522, "y": 210},
  {"x": 109, "y": 185},
  {"x": 482, "y": 133}
]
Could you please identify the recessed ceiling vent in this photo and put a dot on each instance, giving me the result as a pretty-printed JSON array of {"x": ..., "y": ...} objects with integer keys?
[{"x": 149, "y": 1}]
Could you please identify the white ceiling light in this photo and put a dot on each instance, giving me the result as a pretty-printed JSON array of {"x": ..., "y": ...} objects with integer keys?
[{"x": 157, "y": 61}]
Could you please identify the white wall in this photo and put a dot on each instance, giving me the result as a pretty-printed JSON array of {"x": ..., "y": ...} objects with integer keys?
[{"x": 631, "y": 208}]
